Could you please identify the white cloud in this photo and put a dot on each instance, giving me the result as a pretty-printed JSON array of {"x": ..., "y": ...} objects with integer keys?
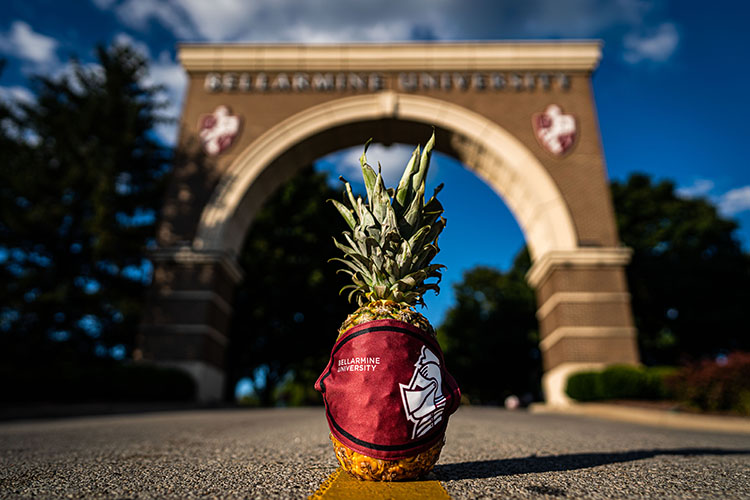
[
  {"x": 392, "y": 158},
  {"x": 16, "y": 94},
  {"x": 735, "y": 201},
  {"x": 576, "y": 18},
  {"x": 388, "y": 20},
  {"x": 280, "y": 20},
  {"x": 656, "y": 45},
  {"x": 12, "y": 96},
  {"x": 729, "y": 204},
  {"x": 138, "y": 13},
  {"x": 701, "y": 187},
  {"x": 167, "y": 72},
  {"x": 23, "y": 42},
  {"x": 137, "y": 45},
  {"x": 397, "y": 30},
  {"x": 331, "y": 21},
  {"x": 224, "y": 19},
  {"x": 163, "y": 71},
  {"x": 68, "y": 70}
]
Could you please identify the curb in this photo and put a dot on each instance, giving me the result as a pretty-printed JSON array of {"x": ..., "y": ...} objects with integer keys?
[{"x": 647, "y": 416}]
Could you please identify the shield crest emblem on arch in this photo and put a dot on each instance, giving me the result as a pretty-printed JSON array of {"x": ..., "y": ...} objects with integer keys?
[
  {"x": 556, "y": 132},
  {"x": 218, "y": 130}
]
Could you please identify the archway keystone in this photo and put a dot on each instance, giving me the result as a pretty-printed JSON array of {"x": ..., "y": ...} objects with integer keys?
[{"x": 298, "y": 103}]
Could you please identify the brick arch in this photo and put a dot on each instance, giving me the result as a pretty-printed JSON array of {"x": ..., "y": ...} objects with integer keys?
[
  {"x": 561, "y": 202},
  {"x": 483, "y": 146}
]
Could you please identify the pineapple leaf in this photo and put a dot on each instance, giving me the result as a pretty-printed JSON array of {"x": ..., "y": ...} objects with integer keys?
[
  {"x": 354, "y": 265},
  {"x": 354, "y": 292},
  {"x": 424, "y": 164},
  {"x": 433, "y": 208},
  {"x": 425, "y": 256},
  {"x": 348, "y": 192},
  {"x": 368, "y": 174},
  {"x": 390, "y": 223},
  {"x": 380, "y": 200},
  {"x": 347, "y": 287},
  {"x": 433, "y": 270},
  {"x": 347, "y": 250},
  {"x": 416, "y": 240},
  {"x": 357, "y": 262},
  {"x": 357, "y": 246},
  {"x": 404, "y": 185},
  {"x": 375, "y": 253},
  {"x": 394, "y": 234},
  {"x": 373, "y": 232},
  {"x": 429, "y": 286},
  {"x": 347, "y": 214},
  {"x": 413, "y": 214},
  {"x": 435, "y": 231},
  {"x": 392, "y": 269},
  {"x": 403, "y": 258},
  {"x": 407, "y": 282},
  {"x": 365, "y": 216}
]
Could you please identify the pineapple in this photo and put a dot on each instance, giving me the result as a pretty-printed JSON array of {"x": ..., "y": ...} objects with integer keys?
[{"x": 388, "y": 255}]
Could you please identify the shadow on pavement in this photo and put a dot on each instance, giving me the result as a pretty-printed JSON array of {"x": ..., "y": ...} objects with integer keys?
[{"x": 483, "y": 469}]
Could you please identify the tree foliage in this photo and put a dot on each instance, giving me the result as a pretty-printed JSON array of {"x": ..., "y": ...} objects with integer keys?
[
  {"x": 689, "y": 279},
  {"x": 288, "y": 309},
  {"x": 490, "y": 336},
  {"x": 81, "y": 180}
]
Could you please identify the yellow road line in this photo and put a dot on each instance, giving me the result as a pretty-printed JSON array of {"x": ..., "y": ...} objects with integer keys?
[{"x": 341, "y": 485}]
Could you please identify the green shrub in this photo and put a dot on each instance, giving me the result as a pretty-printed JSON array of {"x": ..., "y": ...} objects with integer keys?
[
  {"x": 584, "y": 386},
  {"x": 104, "y": 381},
  {"x": 657, "y": 382},
  {"x": 143, "y": 382},
  {"x": 620, "y": 382}
]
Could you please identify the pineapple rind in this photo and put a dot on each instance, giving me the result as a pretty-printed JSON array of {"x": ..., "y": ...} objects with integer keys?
[
  {"x": 368, "y": 468},
  {"x": 386, "y": 309}
]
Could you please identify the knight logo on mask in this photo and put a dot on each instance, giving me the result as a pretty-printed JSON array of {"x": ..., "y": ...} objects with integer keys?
[
  {"x": 423, "y": 397},
  {"x": 386, "y": 391}
]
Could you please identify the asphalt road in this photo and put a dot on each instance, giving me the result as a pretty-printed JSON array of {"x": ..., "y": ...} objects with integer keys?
[{"x": 285, "y": 453}]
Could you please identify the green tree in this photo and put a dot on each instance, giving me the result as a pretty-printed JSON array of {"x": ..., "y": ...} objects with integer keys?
[
  {"x": 689, "y": 279},
  {"x": 288, "y": 309},
  {"x": 490, "y": 337},
  {"x": 81, "y": 179}
]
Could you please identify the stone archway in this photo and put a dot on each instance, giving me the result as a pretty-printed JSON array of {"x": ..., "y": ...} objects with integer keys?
[
  {"x": 486, "y": 148},
  {"x": 584, "y": 309}
]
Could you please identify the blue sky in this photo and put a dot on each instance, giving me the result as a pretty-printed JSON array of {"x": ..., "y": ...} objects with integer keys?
[{"x": 670, "y": 91}]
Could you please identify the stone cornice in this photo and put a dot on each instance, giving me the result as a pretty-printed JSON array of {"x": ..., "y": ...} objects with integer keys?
[
  {"x": 581, "y": 257},
  {"x": 579, "y": 55},
  {"x": 187, "y": 255}
]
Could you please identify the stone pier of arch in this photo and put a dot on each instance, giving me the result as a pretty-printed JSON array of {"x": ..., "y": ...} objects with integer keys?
[{"x": 562, "y": 203}]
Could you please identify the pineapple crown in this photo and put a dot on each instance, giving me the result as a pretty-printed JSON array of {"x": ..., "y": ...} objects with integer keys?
[{"x": 393, "y": 236}]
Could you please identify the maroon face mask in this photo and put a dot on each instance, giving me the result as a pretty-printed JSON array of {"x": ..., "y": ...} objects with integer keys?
[{"x": 386, "y": 390}]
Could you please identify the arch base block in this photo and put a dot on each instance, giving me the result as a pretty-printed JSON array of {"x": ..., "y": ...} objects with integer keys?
[
  {"x": 584, "y": 313},
  {"x": 187, "y": 322}
]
